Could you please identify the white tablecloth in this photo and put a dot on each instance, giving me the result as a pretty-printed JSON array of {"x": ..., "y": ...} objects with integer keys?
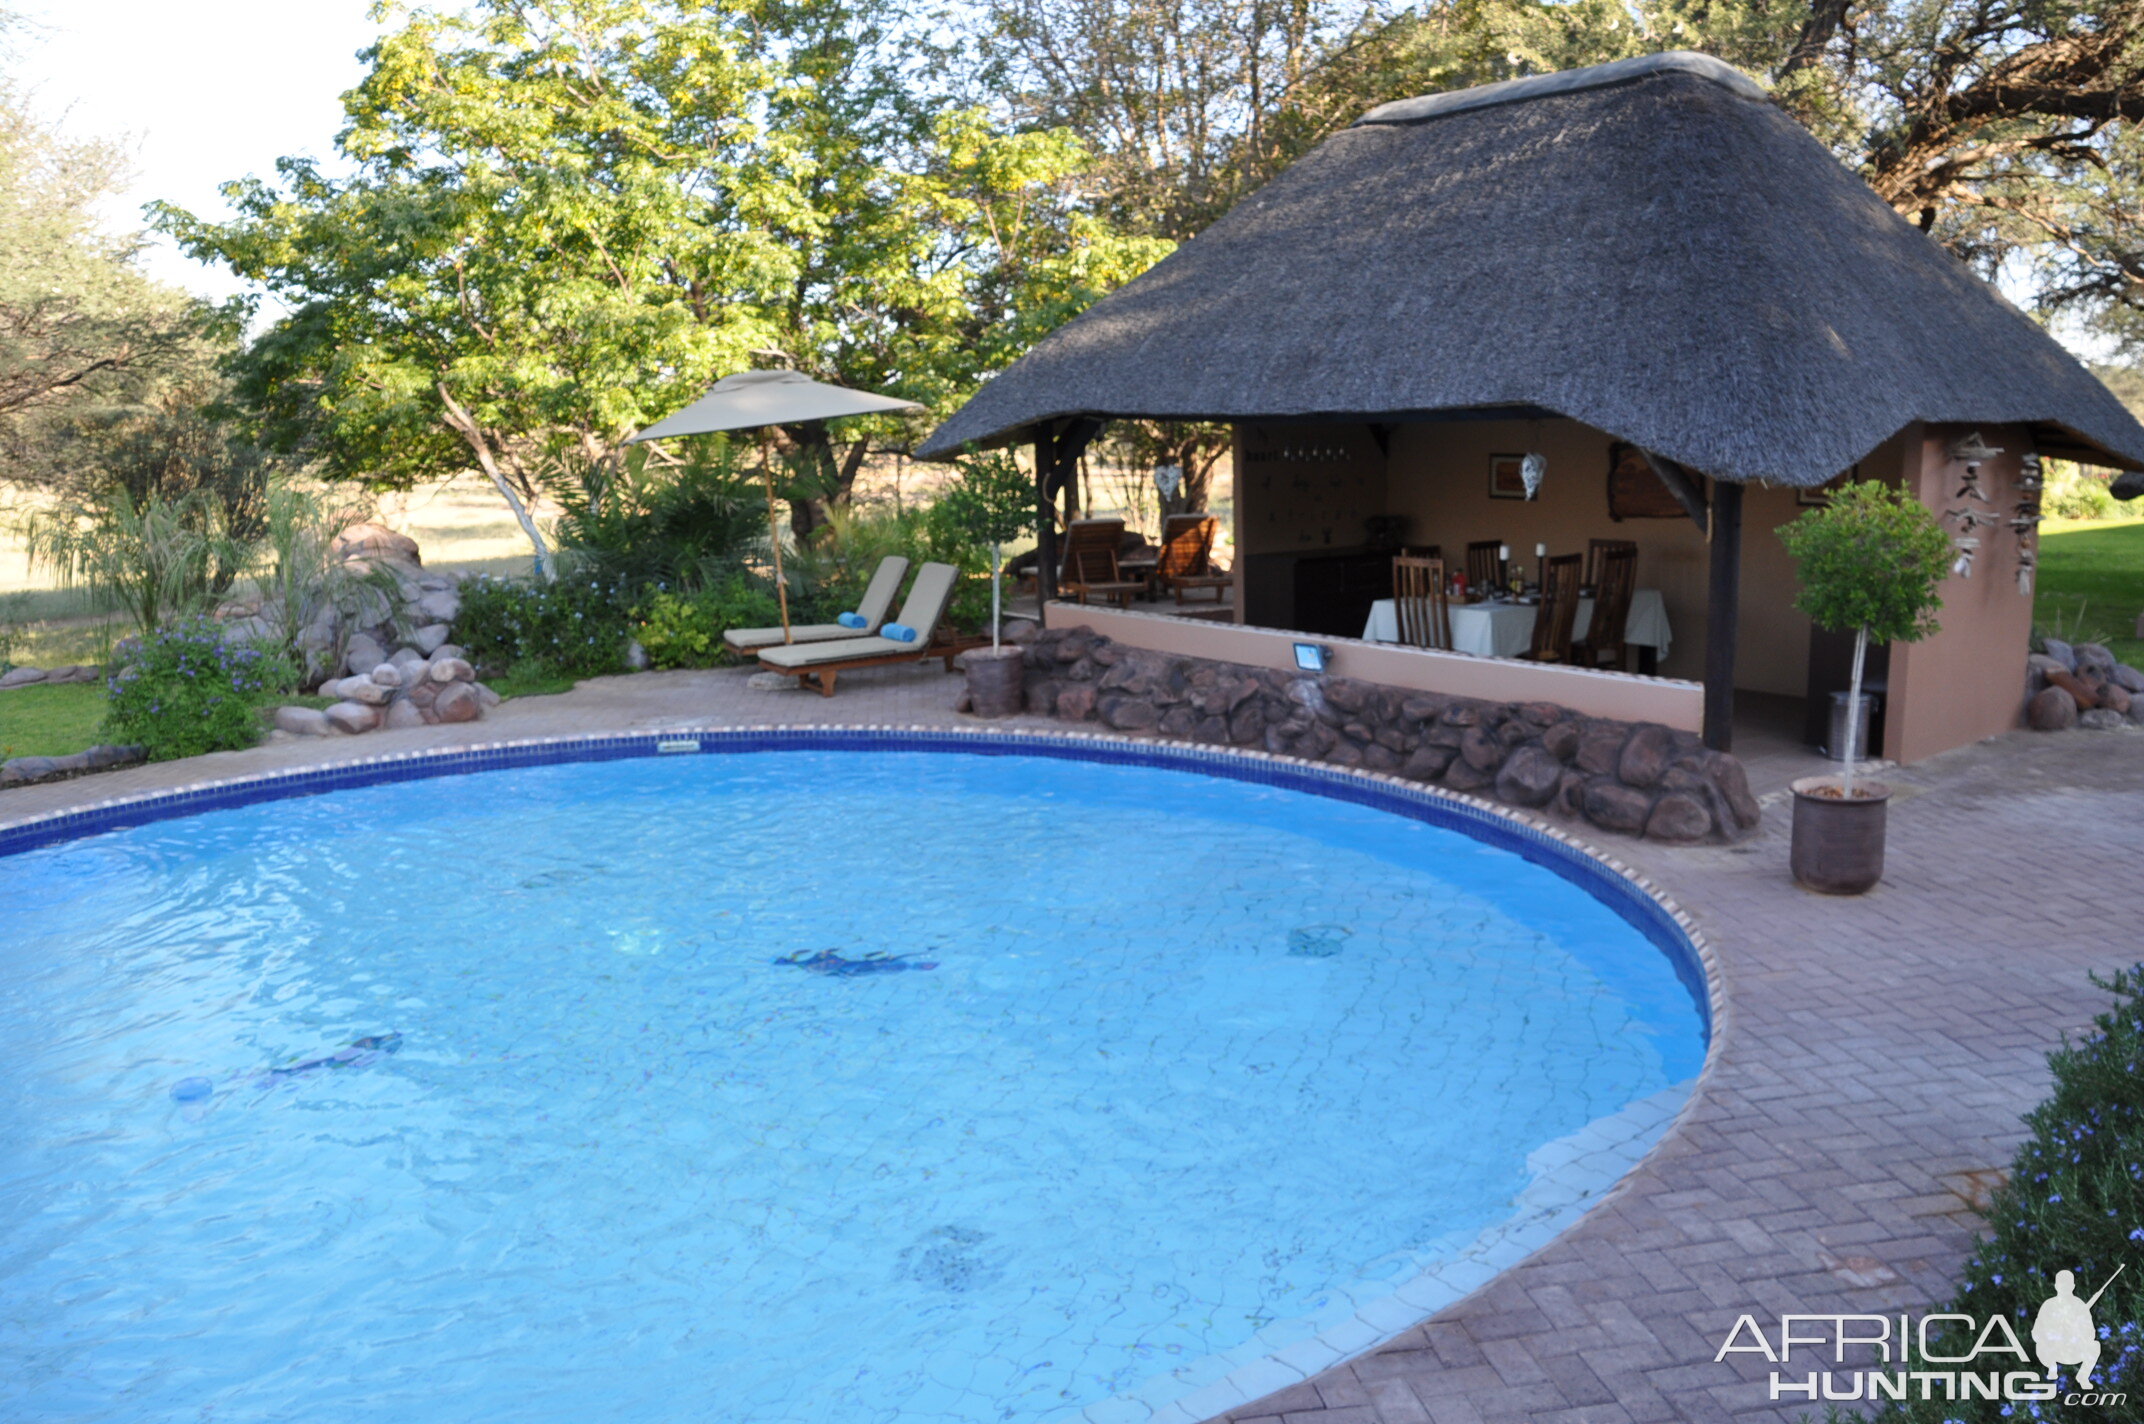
[{"x": 1504, "y": 630}]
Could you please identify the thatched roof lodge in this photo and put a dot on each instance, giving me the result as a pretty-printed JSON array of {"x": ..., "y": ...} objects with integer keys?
[{"x": 1647, "y": 253}]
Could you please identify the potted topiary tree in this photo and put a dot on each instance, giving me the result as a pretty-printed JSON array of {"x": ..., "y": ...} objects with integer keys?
[
  {"x": 990, "y": 502},
  {"x": 1870, "y": 563}
]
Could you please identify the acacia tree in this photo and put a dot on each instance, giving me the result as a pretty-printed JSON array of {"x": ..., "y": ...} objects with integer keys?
[
  {"x": 2006, "y": 128},
  {"x": 79, "y": 323},
  {"x": 568, "y": 217}
]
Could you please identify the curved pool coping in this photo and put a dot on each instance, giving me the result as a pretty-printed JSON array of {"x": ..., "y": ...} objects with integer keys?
[{"x": 1574, "y": 1174}]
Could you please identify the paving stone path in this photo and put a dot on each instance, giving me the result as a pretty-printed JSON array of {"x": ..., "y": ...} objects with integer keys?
[{"x": 1876, "y": 1055}]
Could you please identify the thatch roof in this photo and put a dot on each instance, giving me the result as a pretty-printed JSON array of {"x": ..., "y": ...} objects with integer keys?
[{"x": 1650, "y": 247}]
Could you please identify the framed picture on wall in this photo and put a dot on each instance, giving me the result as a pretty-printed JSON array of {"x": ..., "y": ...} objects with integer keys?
[
  {"x": 1635, "y": 490},
  {"x": 1821, "y": 494},
  {"x": 1505, "y": 480}
]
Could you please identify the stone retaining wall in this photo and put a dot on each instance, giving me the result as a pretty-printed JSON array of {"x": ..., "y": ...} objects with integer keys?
[{"x": 1633, "y": 778}]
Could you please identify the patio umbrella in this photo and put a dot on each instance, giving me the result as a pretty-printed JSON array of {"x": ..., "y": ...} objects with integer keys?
[{"x": 752, "y": 400}]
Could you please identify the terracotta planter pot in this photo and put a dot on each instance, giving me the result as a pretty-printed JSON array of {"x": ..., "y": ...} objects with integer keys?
[
  {"x": 1838, "y": 844},
  {"x": 994, "y": 681}
]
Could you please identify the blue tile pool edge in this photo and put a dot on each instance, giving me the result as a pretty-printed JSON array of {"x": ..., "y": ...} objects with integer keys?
[{"x": 1623, "y": 889}]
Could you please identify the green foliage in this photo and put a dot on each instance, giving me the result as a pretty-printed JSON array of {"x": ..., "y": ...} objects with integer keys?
[
  {"x": 2074, "y": 1202},
  {"x": 2091, "y": 587},
  {"x": 2073, "y": 492},
  {"x": 155, "y": 560},
  {"x": 681, "y": 526},
  {"x": 50, "y": 721},
  {"x": 79, "y": 323},
  {"x": 299, "y": 573},
  {"x": 577, "y": 626},
  {"x": 183, "y": 690},
  {"x": 571, "y": 217},
  {"x": 991, "y": 501},
  {"x": 682, "y": 630},
  {"x": 1873, "y": 558}
]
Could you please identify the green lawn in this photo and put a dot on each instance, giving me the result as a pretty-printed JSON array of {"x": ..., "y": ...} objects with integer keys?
[
  {"x": 2091, "y": 585},
  {"x": 50, "y": 721}
]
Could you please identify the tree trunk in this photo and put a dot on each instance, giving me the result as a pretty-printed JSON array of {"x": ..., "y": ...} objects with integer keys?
[
  {"x": 809, "y": 511},
  {"x": 1853, "y": 712},
  {"x": 464, "y": 425}
]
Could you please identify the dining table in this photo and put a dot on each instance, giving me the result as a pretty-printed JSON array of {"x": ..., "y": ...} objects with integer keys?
[{"x": 1504, "y": 627}]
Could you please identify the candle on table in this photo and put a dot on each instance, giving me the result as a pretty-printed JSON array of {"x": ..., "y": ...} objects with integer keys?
[
  {"x": 1540, "y": 551},
  {"x": 1503, "y": 551}
]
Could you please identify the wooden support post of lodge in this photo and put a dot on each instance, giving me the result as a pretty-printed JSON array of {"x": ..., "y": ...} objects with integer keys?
[
  {"x": 1045, "y": 530},
  {"x": 1057, "y": 455},
  {"x": 1723, "y": 615}
]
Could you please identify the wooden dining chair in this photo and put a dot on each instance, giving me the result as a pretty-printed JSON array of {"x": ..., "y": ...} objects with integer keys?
[
  {"x": 1485, "y": 566},
  {"x": 1425, "y": 618},
  {"x": 1558, "y": 610},
  {"x": 1614, "y": 584},
  {"x": 1597, "y": 549}
]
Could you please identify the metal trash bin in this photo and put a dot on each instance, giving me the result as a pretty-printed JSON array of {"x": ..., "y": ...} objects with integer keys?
[{"x": 1835, "y": 746}]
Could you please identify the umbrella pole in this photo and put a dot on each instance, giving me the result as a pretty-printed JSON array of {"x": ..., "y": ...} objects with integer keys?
[{"x": 774, "y": 537}]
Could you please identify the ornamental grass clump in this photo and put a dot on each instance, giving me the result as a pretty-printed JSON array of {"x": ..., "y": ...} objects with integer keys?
[
  {"x": 2074, "y": 1202},
  {"x": 184, "y": 689},
  {"x": 1870, "y": 563}
]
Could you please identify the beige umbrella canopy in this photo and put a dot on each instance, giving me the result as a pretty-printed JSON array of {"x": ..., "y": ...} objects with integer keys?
[{"x": 752, "y": 399}]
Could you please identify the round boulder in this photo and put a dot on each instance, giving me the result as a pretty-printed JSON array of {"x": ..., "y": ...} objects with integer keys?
[{"x": 2051, "y": 710}]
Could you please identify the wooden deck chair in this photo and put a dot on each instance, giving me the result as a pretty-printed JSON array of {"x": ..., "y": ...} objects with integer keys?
[
  {"x": 872, "y": 608},
  {"x": 1090, "y": 564},
  {"x": 1186, "y": 559},
  {"x": 1614, "y": 583},
  {"x": 1485, "y": 566},
  {"x": 1558, "y": 610},
  {"x": 924, "y": 611},
  {"x": 1425, "y": 617}
]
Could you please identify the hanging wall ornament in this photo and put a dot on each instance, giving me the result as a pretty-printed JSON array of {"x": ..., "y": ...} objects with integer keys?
[
  {"x": 2027, "y": 561},
  {"x": 1962, "y": 566},
  {"x": 2028, "y": 474},
  {"x": 1531, "y": 471},
  {"x": 1968, "y": 519}
]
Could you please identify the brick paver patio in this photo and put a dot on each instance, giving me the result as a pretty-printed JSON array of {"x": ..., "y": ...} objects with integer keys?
[{"x": 1875, "y": 1057}]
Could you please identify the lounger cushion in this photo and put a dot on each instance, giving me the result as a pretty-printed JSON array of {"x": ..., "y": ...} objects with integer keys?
[
  {"x": 753, "y": 639},
  {"x": 801, "y": 655}
]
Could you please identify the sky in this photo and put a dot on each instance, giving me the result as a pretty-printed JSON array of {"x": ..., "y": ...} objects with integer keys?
[{"x": 200, "y": 91}]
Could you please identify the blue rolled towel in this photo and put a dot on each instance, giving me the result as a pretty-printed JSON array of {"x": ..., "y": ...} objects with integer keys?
[
  {"x": 899, "y": 632},
  {"x": 852, "y": 620}
]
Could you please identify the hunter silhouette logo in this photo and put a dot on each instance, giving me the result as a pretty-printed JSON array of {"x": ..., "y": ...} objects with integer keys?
[{"x": 2062, "y": 1332}]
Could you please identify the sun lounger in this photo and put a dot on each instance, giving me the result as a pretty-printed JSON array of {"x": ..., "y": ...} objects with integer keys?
[
  {"x": 924, "y": 610},
  {"x": 877, "y": 599}
]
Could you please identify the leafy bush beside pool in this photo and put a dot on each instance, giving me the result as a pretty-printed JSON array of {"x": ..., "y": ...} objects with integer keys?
[
  {"x": 184, "y": 690},
  {"x": 2075, "y": 1202},
  {"x": 577, "y": 625}
]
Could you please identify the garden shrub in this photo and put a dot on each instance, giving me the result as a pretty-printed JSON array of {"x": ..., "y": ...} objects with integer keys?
[
  {"x": 681, "y": 527},
  {"x": 2073, "y": 492},
  {"x": 681, "y": 630},
  {"x": 2074, "y": 1202},
  {"x": 577, "y": 625},
  {"x": 184, "y": 690}
]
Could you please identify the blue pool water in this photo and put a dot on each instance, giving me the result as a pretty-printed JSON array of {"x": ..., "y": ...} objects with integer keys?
[{"x": 813, "y": 1086}]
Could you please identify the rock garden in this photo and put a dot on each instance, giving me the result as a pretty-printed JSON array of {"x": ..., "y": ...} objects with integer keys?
[
  {"x": 1637, "y": 779},
  {"x": 2081, "y": 686}
]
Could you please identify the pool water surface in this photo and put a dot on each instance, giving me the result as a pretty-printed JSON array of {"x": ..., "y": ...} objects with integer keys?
[{"x": 808, "y": 1087}]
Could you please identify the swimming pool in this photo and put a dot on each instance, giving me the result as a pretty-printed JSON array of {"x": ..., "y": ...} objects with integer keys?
[{"x": 853, "y": 1082}]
